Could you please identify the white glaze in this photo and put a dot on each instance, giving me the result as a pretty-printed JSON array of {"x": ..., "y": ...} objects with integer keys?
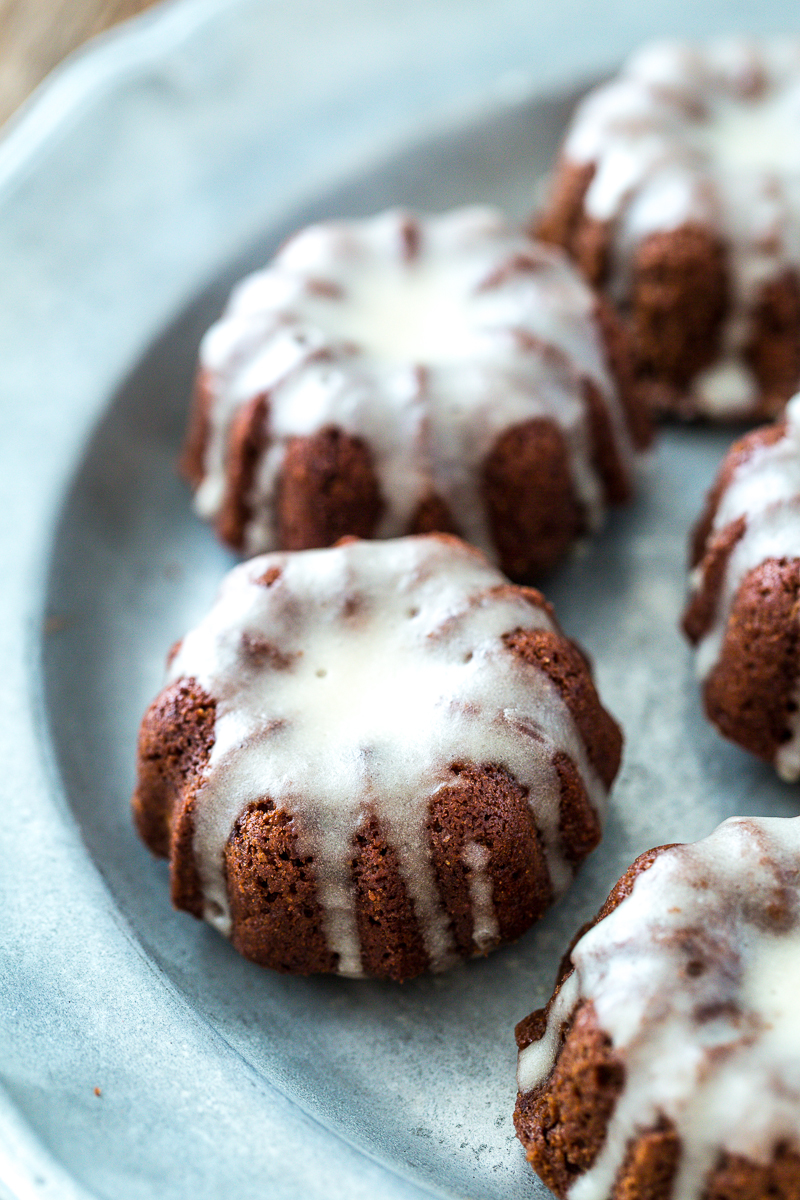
[
  {"x": 787, "y": 760},
  {"x": 708, "y": 136},
  {"x": 485, "y": 931},
  {"x": 425, "y": 359},
  {"x": 731, "y": 1080},
  {"x": 765, "y": 489},
  {"x": 537, "y": 1060},
  {"x": 395, "y": 670},
  {"x": 769, "y": 476}
]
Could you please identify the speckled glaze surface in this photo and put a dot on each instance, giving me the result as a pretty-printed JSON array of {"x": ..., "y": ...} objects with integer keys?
[{"x": 139, "y": 1056}]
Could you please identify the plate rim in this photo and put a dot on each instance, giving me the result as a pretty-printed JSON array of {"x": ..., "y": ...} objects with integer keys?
[{"x": 61, "y": 101}]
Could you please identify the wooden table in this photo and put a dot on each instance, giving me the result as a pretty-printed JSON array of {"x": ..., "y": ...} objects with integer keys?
[{"x": 36, "y": 34}]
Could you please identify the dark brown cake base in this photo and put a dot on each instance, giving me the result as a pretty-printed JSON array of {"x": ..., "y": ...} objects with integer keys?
[{"x": 750, "y": 693}]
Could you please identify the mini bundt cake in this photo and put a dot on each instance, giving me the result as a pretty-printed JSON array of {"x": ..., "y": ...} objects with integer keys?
[
  {"x": 678, "y": 194},
  {"x": 743, "y": 611},
  {"x": 406, "y": 374},
  {"x": 374, "y": 759},
  {"x": 667, "y": 1063}
]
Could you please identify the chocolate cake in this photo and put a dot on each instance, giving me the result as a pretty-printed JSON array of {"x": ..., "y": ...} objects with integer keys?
[
  {"x": 374, "y": 759},
  {"x": 743, "y": 611},
  {"x": 408, "y": 374},
  {"x": 678, "y": 193},
  {"x": 666, "y": 1065}
]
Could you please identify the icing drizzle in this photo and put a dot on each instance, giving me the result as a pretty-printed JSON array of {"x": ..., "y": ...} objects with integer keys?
[
  {"x": 765, "y": 490},
  {"x": 349, "y": 686},
  {"x": 705, "y": 136},
  {"x": 428, "y": 338},
  {"x": 694, "y": 977}
]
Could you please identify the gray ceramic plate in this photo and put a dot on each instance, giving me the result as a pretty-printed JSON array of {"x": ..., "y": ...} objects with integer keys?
[{"x": 139, "y": 1056}]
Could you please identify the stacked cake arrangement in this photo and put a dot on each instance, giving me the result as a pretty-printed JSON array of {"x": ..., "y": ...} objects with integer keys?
[{"x": 376, "y": 756}]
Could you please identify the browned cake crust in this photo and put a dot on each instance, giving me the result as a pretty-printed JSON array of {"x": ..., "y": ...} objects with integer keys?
[
  {"x": 737, "y": 1178},
  {"x": 563, "y": 214},
  {"x": 248, "y": 441},
  {"x": 749, "y": 693},
  {"x": 774, "y": 351},
  {"x": 677, "y": 275},
  {"x": 562, "y": 1124},
  {"x": 672, "y": 274},
  {"x": 328, "y": 488},
  {"x": 702, "y": 606},
  {"x": 175, "y": 740},
  {"x": 273, "y": 897},
  {"x": 533, "y": 510},
  {"x": 678, "y": 299},
  {"x": 621, "y": 360},
  {"x": 190, "y": 463},
  {"x": 271, "y": 885}
]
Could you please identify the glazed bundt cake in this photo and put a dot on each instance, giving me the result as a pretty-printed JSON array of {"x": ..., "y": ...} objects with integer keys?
[
  {"x": 374, "y": 759},
  {"x": 678, "y": 194},
  {"x": 667, "y": 1063},
  {"x": 409, "y": 374},
  {"x": 743, "y": 611}
]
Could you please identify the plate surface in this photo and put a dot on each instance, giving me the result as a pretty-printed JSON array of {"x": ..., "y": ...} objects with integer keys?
[
  {"x": 421, "y": 1076},
  {"x": 217, "y": 1078}
]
